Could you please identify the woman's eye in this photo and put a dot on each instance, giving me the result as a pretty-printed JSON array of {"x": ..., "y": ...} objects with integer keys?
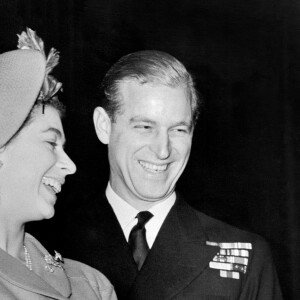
[{"x": 53, "y": 144}]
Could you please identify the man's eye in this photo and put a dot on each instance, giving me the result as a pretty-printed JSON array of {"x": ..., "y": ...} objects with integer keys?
[
  {"x": 181, "y": 130},
  {"x": 143, "y": 127}
]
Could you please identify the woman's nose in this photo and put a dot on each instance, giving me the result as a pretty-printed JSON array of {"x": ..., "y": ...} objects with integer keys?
[{"x": 67, "y": 164}]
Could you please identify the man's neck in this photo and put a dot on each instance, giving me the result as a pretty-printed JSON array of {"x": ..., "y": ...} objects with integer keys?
[{"x": 138, "y": 204}]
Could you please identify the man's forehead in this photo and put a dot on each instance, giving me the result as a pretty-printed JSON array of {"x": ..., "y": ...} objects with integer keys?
[
  {"x": 142, "y": 101},
  {"x": 129, "y": 87},
  {"x": 154, "y": 82}
]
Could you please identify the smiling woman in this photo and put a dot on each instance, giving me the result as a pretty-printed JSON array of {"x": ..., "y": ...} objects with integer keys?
[
  {"x": 33, "y": 168},
  {"x": 37, "y": 152}
]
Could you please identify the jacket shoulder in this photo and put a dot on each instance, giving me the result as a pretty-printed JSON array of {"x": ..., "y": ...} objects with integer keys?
[
  {"x": 220, "y": 230},
  {"x": 85, "y": 277}
]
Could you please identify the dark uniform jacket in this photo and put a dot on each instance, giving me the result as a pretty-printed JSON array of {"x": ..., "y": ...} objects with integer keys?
[{"x": 193, "y": 257}]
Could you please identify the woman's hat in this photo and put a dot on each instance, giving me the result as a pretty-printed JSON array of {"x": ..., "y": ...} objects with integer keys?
[
  {"x": 22, "y": 74},
  {"x": 25, "y": 79}
]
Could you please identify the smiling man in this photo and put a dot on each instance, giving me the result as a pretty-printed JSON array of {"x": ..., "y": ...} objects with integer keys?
[
  {"x": 142, "y": 234},
  {"x": 149, "y": 143}
]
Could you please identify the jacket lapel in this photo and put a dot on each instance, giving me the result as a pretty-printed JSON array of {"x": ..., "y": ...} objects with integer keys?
[
  {"x": 19, "y": 275},
  {"x": 119, "y": 264},
  {"x": 178, "y": 255},
  {"x": 57, "y": 278}
]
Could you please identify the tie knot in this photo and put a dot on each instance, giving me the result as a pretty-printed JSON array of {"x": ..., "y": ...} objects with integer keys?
[{"x": 143, "y": 217}]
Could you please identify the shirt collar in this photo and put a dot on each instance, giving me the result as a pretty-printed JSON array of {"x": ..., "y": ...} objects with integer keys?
[
  {"x": 125, "y": 213},
  {"x": 161, "y": 209}
]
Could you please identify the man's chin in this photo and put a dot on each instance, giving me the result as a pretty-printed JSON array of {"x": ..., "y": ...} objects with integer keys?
[{"x": 154, "y": 197}]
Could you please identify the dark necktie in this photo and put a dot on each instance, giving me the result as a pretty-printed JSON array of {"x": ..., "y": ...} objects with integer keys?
[{"x": 137, "y": 238}]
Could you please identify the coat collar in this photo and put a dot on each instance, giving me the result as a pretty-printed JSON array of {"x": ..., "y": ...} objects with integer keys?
[
  {"x": 54, "y": 285},
  {"x": 178, "y": 255},
  {"x": 119, "y": 263}
]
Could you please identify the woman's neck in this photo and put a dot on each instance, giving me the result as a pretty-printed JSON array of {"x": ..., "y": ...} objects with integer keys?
[{"x": 12, "y": 239}]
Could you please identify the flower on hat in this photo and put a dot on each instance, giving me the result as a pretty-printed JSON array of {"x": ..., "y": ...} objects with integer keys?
[{"x": 30, "y": 40}]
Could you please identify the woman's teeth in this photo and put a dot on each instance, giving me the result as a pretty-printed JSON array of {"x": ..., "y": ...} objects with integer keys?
[{"x": 53, "y": 183}]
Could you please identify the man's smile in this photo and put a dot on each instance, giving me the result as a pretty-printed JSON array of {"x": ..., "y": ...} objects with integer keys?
[{"x": 154, "y": 168}]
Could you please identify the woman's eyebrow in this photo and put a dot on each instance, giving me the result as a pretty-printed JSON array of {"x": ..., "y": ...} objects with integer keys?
[
  {"x": 53, "y": 129},
  {"x": 57, "y": 132}
]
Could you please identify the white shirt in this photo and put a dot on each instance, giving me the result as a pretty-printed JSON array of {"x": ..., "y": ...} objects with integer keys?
[{"x": 126, "y": 214}]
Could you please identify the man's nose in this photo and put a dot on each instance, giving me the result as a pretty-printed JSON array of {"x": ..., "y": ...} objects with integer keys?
[
  {"x": 67, "y": 164},
  {"x": 161, "y": 145}
]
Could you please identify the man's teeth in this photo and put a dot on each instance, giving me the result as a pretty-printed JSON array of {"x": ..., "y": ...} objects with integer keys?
[
  {"x": 53, "y": 183},
  {"x": 152, "y": 167}
]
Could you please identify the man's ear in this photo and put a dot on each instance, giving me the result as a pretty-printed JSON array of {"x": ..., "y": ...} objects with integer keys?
[{"x": 102, "y": 124}]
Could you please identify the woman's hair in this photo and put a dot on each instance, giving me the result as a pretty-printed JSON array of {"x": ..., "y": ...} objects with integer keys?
[
  {"x": 147, "y": 67},
  {"x": 53, "y": 102}
]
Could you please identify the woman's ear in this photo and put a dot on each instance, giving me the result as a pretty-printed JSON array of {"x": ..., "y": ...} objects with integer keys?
[{"x": 102, "y": 124}]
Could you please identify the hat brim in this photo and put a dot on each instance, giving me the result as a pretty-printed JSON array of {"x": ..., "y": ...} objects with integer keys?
[{"x": 22, "y": 74}]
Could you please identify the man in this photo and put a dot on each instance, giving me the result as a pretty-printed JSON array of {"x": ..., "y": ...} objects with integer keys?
[{"x": 147, "y": 120}]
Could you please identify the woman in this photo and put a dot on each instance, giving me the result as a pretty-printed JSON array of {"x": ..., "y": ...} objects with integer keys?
[{"x": 33, "y": 167}]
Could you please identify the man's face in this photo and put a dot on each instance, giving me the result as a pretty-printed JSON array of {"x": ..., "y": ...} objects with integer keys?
[{"x": 150, "y": 142}]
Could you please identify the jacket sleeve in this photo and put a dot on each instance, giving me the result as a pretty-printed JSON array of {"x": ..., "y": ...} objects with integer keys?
[{"x": 261, "y": 282}]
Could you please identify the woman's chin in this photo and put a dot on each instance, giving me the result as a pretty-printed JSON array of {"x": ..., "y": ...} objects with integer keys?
[{"x": 47, "y": 212}]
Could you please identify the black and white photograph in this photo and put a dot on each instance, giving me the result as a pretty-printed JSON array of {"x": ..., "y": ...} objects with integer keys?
[{"x": 149, "y": 150}]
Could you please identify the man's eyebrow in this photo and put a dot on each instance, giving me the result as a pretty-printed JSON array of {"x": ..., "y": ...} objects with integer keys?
[
  {"x": 141, "y": 119},
  {"x": 184, "y": 123},
  {"x": 188, "y": 124}
]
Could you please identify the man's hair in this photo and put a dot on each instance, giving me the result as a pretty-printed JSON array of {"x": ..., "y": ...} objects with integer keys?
[{"x": 147, "y": 67}]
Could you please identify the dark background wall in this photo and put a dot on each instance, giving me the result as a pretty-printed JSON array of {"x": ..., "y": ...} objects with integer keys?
[{"x": 245, "y": 58}]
